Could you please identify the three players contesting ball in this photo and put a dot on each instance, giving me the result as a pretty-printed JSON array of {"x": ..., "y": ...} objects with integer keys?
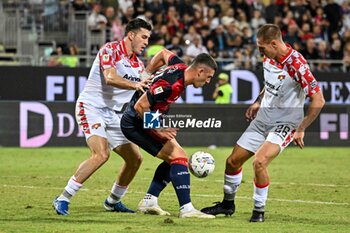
[{"x": 277, "y": 118}]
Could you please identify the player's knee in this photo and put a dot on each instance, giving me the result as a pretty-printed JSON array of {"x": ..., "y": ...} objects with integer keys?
[
  {"x": 179, "y": 153},
  {"x": 135, "y": 162},
  {"x": 233, "y": 163},
  {"x": 139, "y": 160},
  {"x": 101, "y": 156},
  {"x": 259, "y": 164}
]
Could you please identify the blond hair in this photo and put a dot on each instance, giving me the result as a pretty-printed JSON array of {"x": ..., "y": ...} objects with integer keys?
[{"x": 269, "y": 32}]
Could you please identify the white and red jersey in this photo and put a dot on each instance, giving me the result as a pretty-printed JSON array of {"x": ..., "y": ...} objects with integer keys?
[
  {"x": 287, "y": 83},
  {"x": 96, "y": 92}
]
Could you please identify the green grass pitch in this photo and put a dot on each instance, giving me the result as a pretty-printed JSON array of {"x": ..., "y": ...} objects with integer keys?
[{"x": 309, "y": 192}]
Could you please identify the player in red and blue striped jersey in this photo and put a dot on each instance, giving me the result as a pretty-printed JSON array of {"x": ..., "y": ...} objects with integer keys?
[{"x": 168, "y": 84}]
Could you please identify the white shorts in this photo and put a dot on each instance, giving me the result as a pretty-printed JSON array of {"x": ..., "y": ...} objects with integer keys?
[
  {"x": 103, "y": 122},
  {"x": 258, "y": 132}
]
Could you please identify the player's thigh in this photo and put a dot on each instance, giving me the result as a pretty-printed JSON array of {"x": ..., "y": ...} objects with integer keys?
[
  {"x": 171, "y": 150},
  {"x": 278, "y": 138},
  {"x": 90, "y": 120},
  {"x": 281, "y": 135},
  {"x": 266, "y": 153},
  {"x": 98, "y": 146},
  {"x": 143, "y": 139},
  {"x": 239, "y": 156},
  {"x": 130, "y": 152},
  {"x": 114, "y": 132},
  {"x": 253, "y": 137}
]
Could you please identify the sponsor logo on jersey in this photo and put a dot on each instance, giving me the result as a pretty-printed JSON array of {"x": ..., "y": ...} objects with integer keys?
[
  {"x": 270, "y": 85},
  {"x": 158, "y": 90},
  {"x": 131, "y": 78}
]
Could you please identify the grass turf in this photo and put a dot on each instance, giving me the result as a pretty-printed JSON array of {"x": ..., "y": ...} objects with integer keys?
[{"x": 309, "y": 192}]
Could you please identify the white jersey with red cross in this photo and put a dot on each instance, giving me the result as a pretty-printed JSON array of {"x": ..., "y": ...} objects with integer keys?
[
  {"x": 96, "y": 92},
  {"x": 287, "y": 83}
]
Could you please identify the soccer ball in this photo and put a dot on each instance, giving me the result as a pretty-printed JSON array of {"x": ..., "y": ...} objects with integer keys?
[{"x": 201, "y": 164}]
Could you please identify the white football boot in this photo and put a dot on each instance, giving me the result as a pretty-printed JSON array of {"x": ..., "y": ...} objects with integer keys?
[
  {"x": 149, "y": 205},
  {"x": 194, "y": 214}
]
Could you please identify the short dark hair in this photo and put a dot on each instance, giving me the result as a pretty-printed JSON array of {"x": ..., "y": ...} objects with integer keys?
[
  {"x": 204, "y": 59},
  {"x": 136, "y": 24},
  {"x": 269, "y": 32}
]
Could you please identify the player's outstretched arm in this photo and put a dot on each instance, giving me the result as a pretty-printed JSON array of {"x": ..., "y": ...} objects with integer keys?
[
  {"x": 314, "y": 109},
  {"x": 113, "y": 79},
  {"x": 160, "y": 59}
]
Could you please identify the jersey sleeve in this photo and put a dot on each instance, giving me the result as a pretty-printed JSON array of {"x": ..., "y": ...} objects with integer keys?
[
  {"x": 108, "y": 57},
  {"x": 159, "y": 92},
  {"x": 305, "y": 78},
  {"x": 173, "y": 60}
]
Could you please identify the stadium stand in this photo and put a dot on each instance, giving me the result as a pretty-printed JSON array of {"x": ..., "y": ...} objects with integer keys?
[{"x": 36, "y": 27}]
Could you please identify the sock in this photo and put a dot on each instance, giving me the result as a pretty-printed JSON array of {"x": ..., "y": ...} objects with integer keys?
[
  {"x": 181, "y": 180},
  {"x": 160, "y": 180},
  {"x": 70, "y": 190},
  {"x": 150, "y": 200},
  {"x": 260, "y": 196},
  {"x": 117, "y": 193},
  {"x": 231, "y": 185},
  {"x": 187, "y": 207}
]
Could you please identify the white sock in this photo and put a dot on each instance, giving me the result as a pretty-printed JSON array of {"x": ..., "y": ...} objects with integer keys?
[
  {"x": 150, "y": 200},
  {"x": 231, "y": 185},
  {"x": 117, "y": 193},
  {"x": 187, "y": 207},
  {"x": 70, "y": 190},
  {"x": 260, "y": 195}
]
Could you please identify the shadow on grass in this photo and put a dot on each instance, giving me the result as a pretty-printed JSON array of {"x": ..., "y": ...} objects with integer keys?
[
  {"x": 63, "y": 219},
  {"x": 277, "y": 218}
]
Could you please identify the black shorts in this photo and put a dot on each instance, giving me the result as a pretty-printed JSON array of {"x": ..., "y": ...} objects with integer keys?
[{"x": 144, "y": 138}]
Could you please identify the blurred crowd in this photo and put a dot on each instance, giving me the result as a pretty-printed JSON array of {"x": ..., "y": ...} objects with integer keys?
[{"x": 226, "y": 29}]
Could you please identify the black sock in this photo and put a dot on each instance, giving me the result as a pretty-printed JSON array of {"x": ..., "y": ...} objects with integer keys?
[
  {"x": 160, "y": 179},
  {"x": 227, "y": 204}
]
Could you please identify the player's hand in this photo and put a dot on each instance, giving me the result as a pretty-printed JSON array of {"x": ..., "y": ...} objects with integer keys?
[
  {"x": 141, "y": 86},
  {"x": 251, "y": 112},
  {"x": 145, "y": 75},
  {"x": 298, "y": 138},
  {"x": 167, "y": 133}
]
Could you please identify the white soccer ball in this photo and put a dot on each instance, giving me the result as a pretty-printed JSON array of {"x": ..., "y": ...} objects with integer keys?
[{"x": 201, "y": 164}]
